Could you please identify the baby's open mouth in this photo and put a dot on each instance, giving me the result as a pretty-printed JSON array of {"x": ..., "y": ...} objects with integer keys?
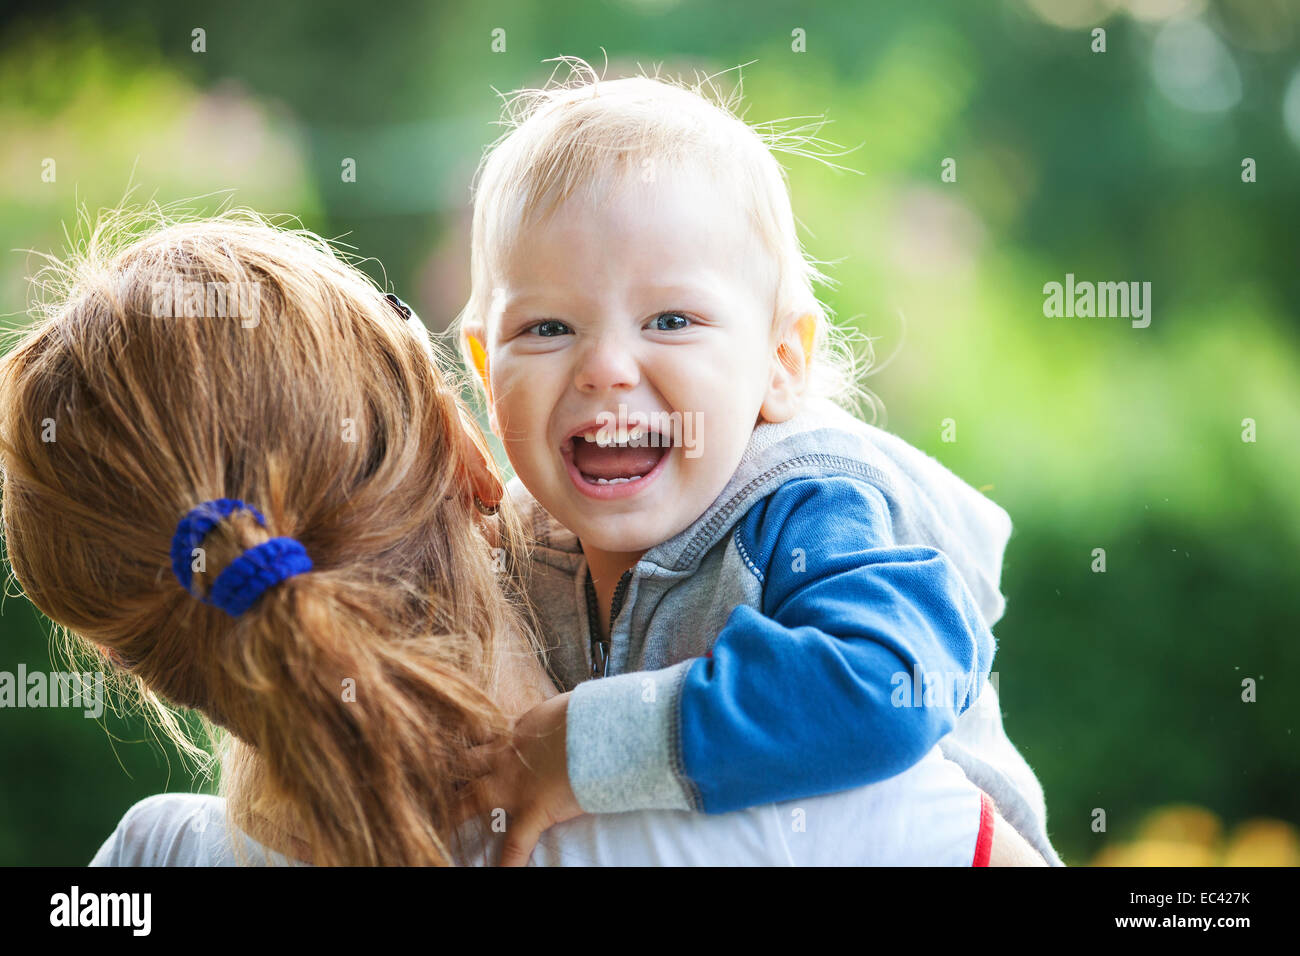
[{"x": 614, "y": 462}]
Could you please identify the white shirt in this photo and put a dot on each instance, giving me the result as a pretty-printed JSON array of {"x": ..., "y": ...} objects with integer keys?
[{"x": 929, "y": 815}]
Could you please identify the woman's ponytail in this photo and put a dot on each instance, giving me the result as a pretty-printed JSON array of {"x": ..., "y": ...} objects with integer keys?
[{"x": 359, "y": 735}]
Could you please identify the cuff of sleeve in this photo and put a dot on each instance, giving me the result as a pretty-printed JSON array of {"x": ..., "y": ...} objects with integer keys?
[{"x": 622, "y": 742}]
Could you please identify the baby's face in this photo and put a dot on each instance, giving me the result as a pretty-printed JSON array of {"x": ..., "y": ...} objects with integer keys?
[{"x": 652, "y": 309}]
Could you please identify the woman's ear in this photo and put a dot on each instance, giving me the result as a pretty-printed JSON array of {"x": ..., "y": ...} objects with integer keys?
[
  {"x": 791, "y": 360},
  {"x": 118, "y": 660},
  {"x": 480, "y": 467}
]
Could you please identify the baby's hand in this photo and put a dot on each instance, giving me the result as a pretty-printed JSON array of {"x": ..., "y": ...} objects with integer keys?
[{"x": 528, "y": 778}]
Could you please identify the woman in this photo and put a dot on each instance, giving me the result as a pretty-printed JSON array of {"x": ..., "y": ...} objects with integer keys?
[{"x": 277, "y": 513}]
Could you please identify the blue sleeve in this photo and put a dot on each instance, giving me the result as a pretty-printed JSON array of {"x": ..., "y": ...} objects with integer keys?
[
  {"x": 818, "y": 693},
  {"x": 862, "y": 657}
]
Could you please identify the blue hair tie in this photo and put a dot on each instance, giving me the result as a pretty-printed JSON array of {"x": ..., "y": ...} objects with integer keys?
[{"x": 251, "y": 574}]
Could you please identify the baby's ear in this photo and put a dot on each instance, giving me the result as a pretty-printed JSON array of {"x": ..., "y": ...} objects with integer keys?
[
  {"x": 473, "y": 338},
  {"x": 791, "y": 361}
]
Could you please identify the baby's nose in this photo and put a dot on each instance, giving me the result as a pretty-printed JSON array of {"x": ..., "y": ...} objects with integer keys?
[{"x": 606, "y": 364}]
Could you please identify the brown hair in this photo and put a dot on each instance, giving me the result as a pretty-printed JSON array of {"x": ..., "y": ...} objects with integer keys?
[{"x": 349, "y": 692}]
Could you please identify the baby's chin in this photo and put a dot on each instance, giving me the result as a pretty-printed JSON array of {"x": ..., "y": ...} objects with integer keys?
[{"x": 628, "y": 533}]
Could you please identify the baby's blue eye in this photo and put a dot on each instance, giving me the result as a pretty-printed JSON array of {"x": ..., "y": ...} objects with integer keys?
[
  {"x": 551, "y": 327},
  {"x": 670, "y": 322}
]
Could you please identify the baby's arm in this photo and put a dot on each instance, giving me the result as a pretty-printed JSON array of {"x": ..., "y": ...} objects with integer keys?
[{"x": 811, "y": 696}]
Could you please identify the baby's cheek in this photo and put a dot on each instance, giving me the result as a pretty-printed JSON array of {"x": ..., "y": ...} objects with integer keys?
[{"x": 504, "y": 386}]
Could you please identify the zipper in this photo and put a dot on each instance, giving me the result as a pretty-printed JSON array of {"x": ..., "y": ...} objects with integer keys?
[{"x": 600, "y": 646}]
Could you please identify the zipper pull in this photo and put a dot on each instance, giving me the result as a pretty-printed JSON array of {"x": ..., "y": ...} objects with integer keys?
[{"x": 599, "y": 659}]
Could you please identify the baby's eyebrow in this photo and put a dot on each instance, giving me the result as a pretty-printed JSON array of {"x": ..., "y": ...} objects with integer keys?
[
  {"x": 530, "y": 300},
  {"x": 681, "y": 294},
  {"x": 697, "y": 293}
]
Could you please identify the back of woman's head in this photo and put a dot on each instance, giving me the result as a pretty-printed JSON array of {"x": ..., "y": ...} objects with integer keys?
[{"x": 230, "y": 359}]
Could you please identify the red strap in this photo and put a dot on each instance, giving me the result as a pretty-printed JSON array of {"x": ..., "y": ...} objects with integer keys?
[{"x": 984, "y": 842}]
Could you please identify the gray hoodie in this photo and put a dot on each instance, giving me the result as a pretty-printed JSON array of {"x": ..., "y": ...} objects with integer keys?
[{"x": 623, "y": 729}]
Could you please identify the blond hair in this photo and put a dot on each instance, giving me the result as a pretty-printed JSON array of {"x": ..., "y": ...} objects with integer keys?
[
  {"x": 330, "y": 416},
  {"x": 590, "y": 134}
]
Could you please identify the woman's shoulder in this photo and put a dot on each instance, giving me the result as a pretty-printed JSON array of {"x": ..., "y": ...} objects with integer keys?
[
  {"x": 179, "y": 829},
  {"x": 157, "y": 831}
]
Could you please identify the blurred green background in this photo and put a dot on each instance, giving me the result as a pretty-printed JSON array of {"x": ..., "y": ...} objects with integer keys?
[{"x": 1124, "y": 688}]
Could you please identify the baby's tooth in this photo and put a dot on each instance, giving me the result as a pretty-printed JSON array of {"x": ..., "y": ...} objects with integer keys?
[{"x": 608, "y": 435}]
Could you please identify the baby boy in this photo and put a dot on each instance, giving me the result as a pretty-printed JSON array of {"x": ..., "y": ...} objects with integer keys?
[{"x": 779, "y": 600}]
